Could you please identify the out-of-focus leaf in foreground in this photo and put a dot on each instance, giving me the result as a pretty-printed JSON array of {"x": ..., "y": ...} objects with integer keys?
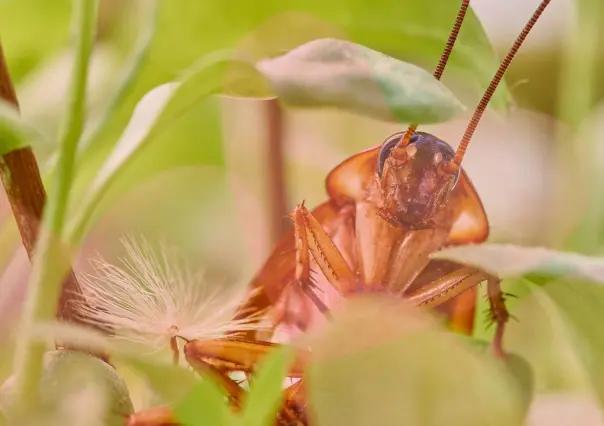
[
  {"x": 337, "y": 73},
  {"x": 558, "y": 330},
  {"x": 518, "y": 368},
  {"x": 205, "y": 405},
  {"x": 510, "y": 261},
  {"x": 381, "y": 362}
]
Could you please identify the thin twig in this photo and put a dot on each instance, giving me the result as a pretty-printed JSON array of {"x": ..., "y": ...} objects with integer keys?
[{"x": 276, "y": 172}]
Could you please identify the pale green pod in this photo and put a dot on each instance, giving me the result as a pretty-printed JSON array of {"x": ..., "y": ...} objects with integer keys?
[{"x": 75, "y": 388}]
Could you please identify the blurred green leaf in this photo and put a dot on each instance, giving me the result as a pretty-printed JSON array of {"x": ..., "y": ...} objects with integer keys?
[
  {"x": 412, "y": 372},
  {"x": 205, "y": 405},
  {"x": 31, "y": 31},
  {"x": 337, "y": 73},
  {"x": 128, "y": 77},
  {"x": 159, "y": 110},
  {"x": 14, "y": 133},
  {"x": 521, "y": 370},
  {"x": 517, "y": 367},
  {"x": 171, "y": 383},
  {"x": 557, "y": 331},
  {"x": 405, "y": 29},
  {"x": 266, "y": 390},
  {"x": 511, "y": 261}
]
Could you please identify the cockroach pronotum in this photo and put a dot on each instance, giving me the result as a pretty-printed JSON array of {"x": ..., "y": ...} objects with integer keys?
[{"x": 389, "y": 208}]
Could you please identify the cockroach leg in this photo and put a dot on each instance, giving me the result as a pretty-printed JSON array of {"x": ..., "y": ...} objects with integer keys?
[
  {"x": 156, "y": 416},
  {"x": 499, "y": 314},
  {"x": 232, "y": 389},
  {"x": 220, "y": 356},
  {"x": 294, "y": 408},
  {"x": 463, "y": 280},
  {"x": 228, "y": 355},
  {"x": 311, "y": 238},
  {"x": 302, "y": 286},
  {"x": 324, "y": 251},
  {"x": 447, "y": 287}
]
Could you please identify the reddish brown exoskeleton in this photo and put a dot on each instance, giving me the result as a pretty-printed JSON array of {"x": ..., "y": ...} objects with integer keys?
[{"x": 390, "y": 207}]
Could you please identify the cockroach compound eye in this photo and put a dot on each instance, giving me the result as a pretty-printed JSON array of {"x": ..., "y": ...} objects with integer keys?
[{"x": 386, "y": 149}]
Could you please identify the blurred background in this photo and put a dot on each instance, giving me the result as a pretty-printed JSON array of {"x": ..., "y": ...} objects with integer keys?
[{"x": 536, "y": 162}]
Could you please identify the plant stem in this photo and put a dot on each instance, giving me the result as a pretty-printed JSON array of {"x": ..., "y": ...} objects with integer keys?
[
  {"x": 51, "y": 258},
  {"x": 25, "y": 191},
  {"x": 128, "y": 78},
  {"x": 276, "y": 174}
]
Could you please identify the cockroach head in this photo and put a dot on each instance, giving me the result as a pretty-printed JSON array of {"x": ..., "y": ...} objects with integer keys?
[{"x": 415, "y": 181}]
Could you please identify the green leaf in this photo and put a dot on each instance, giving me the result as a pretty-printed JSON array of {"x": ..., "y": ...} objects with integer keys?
[
  {"x": 337, "y": 73},
  {"x": 128, "y": 77},
  {"x": 517, "y": 367},
  {"x": 266, "y": 390},
  {"x": 14, "y": 133},
  {"x": 205, "y": 405},
  {"x": 510, "y": 261},
  {"x": 557, "y": 331},
  {"x": 411, "y": 372},
  {"x": 171, "y": 383}
]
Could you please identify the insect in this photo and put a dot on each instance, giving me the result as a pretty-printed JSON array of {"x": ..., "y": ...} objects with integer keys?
[{"x": 389, "y": 208}]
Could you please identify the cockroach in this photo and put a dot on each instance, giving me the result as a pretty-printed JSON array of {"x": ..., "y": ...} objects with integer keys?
[{"x": 389, "y": 208}]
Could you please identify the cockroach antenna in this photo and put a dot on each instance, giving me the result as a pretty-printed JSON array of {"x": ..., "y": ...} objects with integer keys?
[
  {"x": 442, "y": 63},
  {"x": 488, "y": 94}
]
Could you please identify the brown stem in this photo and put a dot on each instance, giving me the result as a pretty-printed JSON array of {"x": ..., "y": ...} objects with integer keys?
[
  {"x": 22, "y": 182},
  {"x": 279, "y": 222}
]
